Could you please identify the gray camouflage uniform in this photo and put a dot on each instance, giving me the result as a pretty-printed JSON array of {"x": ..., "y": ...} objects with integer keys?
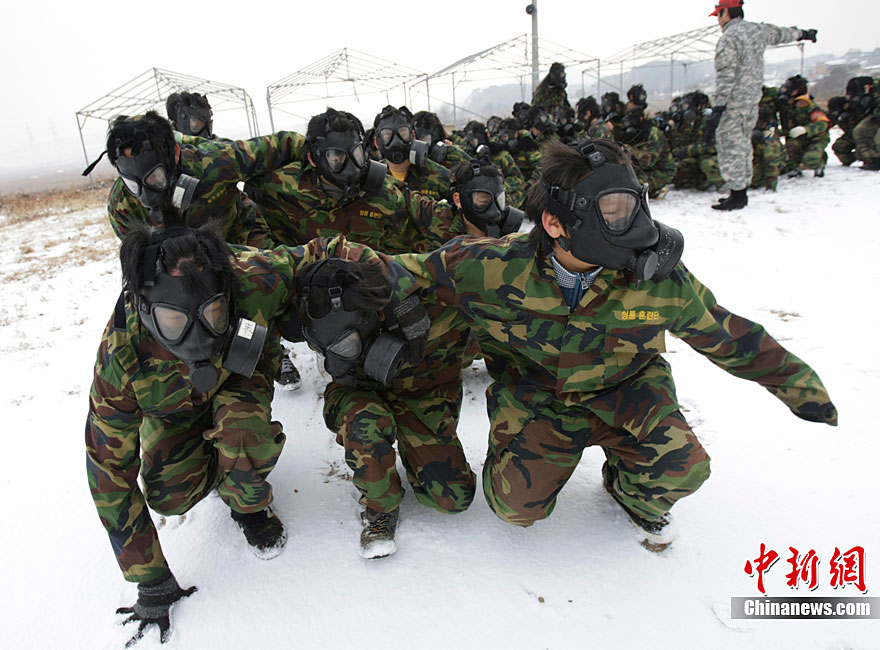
[{"x": 739, "y": 73}]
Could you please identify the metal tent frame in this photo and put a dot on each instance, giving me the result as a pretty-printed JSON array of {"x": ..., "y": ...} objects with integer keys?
[
  {"x": 149, "y": 90},
  {"x": 682, "y": 49},
  {"x": 342, "y": 74},
  {"x": 501, "y": 62}
]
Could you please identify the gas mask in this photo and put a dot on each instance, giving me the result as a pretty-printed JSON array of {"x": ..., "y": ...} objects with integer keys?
[
  {"x": 154, "y": 181},
  {"x": 507, "y": 138},
  {"x": 484, "y": 204},
  {"x": 394, "y": 137},
  {"x": 610, "y": 102},
  {"x": 195, "y": 120},
  {"x": 539, "y": 119},
  {"x": 349, "y": 339},
  {"x": 633, "y": 122},
  {"x": 556, "y": 76},
  {"x": 476, "y": 142},
  {"x": 637, "y": 95},
  {"x": 191, "y": 318},
  {"x": 609, "y": 222},
  {"x": 342, "y": 161}
]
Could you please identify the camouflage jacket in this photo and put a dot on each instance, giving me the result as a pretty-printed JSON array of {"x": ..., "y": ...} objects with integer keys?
[
  {"x": 431, "y": 179},
  {"x": 550, "y": 98},
  {"x": 219, "y": 165},
  {"x": 805, "y": 112},
  {"x": 606, "y": 355},
  {"x": 739, "y": 60},
  {"x": 137, "y": 381},
  {"x": 514, "y": 181},
  {"x": 394, "y": 220},
  {"x": 653, "y": 152},
  {"x": 454, "y": 155}
]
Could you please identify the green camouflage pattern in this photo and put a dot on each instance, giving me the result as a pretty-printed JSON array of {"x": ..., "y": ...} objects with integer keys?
[
  {"x": 807, "y": 151},
  {"x": 394, "y": 219},
  {"x": 145, "y": 417},
  {"x": 454, "y": 155},
  {"x": 514, "y": 181},
  {"x": 551, "y": 98},
  {"x": 600, "y": 363},
  {"x": 419, "y": 411},
  {"x": 601, "y": 131},
  {"x": 219, "y": 165},
  {"x": 867, "y": 132},
  {"x": 368, "y": 418},
  {"x": 653, "y": 161},
  {"x": 431, "y": 179},
  {"x": 768, "y": 161}
]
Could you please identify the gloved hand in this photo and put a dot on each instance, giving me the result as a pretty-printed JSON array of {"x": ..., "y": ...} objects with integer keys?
[
  {"x": 808, "y": 35},
  {"x": 681, "y": 153},
  {"x": 412, "y": 317},
  {"x": 153, "y": 605},
  {"x": 712, "y": 125},
  {"x": 797, "y": 132},
  {"x": 813, "y": 412}
]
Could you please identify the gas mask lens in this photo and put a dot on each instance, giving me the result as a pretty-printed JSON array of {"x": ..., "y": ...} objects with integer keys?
[
  {"x": 481, "y": 200},
  {"x": 335, "y": 159},
  {"x": 157, "y": 179},
  {"x": 215, "y": 314},
  {"x": 171, "y": 321},
  {"x": 347, "y": 347},
  {"x": 618, "y": 209},
  {"x": 196, "y": 124},
  {"x": 386, "y": 135}
]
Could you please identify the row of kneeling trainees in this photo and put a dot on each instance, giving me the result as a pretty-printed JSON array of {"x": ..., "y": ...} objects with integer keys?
[{"x": 347, "y": 242}]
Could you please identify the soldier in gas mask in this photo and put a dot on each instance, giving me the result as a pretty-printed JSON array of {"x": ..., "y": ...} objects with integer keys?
[
  {"x": 408, "y": 158},
  {"x": 656, "y": 164},
  {"x": 182, "y": 395},
  {"x": 190, "y": 114},
  {"x": 805, "y": 127},
  {"x": 864, "y": 92},
  {"x": 336, "y": 188},
  {"x": 520, "y": 146},
  {"x": 193, "y": 182},
  {"x": 637, "y": 97},
  {"x": 479, "y": 146},
  {"x": 550, "y": 92},
  {"x": 571, "y": 321},
  {"x": 382, "y": 395},
  {"x": 429, "y": 129},
  {"x": 479, "y": 193}
]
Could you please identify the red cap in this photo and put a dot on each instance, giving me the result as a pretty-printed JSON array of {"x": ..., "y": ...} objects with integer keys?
[{"x": 726, "y": 4}]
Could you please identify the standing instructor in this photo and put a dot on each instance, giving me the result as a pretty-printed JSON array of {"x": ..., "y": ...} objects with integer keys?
[{"x": 739, "y": 74}]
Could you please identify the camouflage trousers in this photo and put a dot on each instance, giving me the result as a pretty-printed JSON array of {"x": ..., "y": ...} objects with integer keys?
[
  {"x": 527, "y": 467},
  {"x": 700, "y": 172},
  {"x": 734, "y": 144},
  {"x": 368, "y": 420},
  {"x": 233, "y": 452},
  {"x": 768, "y": 163},
  {"x": 844, "y": 148},
  {"x": 806, "y": 152},
  {"x": 867, "y": 138}
]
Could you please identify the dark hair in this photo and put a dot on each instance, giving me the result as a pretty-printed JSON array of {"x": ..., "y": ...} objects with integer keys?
[
  {"x": 177, "y": 100},
  {"x": 125, "y": 131},
  {"x": 585, "y": 104},
  {"x": 427, "y": 122},
  {"x": 187, "y": 250},
  {"x": 391, "y": 112},
  {"x": 364, "y": 287},
  {"x": 332, "y": 120},
  {"x": 565, "y": 166},
  {"x": 736, "y": 12},
  {"x": 464, "y": 171},
  {"x": 474, "y": 125}
]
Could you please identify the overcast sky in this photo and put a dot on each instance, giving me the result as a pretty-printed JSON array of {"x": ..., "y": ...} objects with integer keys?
[{"x": 58, "y": 56}]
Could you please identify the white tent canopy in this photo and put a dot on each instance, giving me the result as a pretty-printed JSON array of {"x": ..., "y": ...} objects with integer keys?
[
  {"x": 149, "y": 90},
  {"x": 341, "y": 77}
]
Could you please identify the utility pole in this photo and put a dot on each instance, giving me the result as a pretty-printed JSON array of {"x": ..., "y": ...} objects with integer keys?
[{"x": 532, "y": 10}]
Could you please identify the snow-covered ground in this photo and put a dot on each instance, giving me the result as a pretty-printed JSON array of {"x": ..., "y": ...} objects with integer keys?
[{"x": 802, "y": 261}]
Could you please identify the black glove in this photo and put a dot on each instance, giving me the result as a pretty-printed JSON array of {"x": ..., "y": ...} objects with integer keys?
[
  {"x": 412, "y": 317},
  {"x": 153, "y": 604},
  {"x": 681, "y": 153},
  {"x": 807, "y": 35},
  {"x": 712, "y": 124},
  {"x": 813, "y": 412}
]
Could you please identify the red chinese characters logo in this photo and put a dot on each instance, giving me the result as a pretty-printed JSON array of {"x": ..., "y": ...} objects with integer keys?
[{"x": 845, "y": 568}]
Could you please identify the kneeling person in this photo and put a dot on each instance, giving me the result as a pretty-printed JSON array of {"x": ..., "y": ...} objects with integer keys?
[{"x": 182, "y": 395}]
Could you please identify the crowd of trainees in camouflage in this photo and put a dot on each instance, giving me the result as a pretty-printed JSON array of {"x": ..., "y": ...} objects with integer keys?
[{"x": 423, "y": 232}]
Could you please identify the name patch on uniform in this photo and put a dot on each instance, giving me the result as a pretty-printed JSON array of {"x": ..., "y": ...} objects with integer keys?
[
  {"x": 632, "y": 314},
  {"x": 370, "y": 213}
]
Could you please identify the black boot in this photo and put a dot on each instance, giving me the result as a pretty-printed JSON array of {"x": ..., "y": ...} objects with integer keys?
[
  {"x": 737, "y": 200},
  {"x": 872, "y": 165},
  {"x": 264, "y": 532}
]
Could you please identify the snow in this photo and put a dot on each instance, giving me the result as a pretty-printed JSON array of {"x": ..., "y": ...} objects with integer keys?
[{"x": 801, "y": 261}]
